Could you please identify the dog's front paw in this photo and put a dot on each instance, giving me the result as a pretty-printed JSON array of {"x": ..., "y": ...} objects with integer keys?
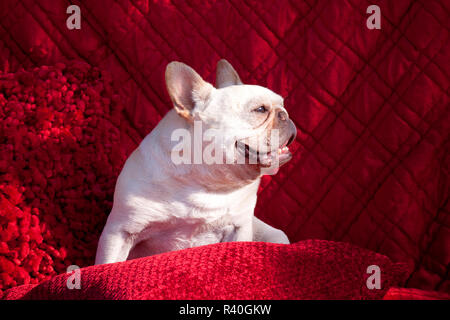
[
  {"x": 273, "y": 236},
  {"x": 279, "y": 236}
]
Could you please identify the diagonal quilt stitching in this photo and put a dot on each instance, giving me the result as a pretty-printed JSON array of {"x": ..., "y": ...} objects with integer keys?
[
  {"x": 387, "y": 176},
  {"x": 30, "y": 58},
  {"x": 400, "y": 218},
  {"x": 368, "y": 63},
  {"x": 378, "y": 139},
  {"x": 382, "y": 144},
  {"x": 380, "y": 227},
  {"x": 282, "y": 57},
  {"x": 351, "y": 147},
  {"x": 115, "y": 50},
  {"x": 425, "y": 252},
  {"x": 208, "y": 42},
  {"x": 136, "y": 70},
  {"x": 441, "y": 208},
  {"x": 288, "y": 46},
  {"x": 152, "y": 27},
  {"x": 289, "y": 50},
  {"x": 384, "y": 180},
  {"x": 264, "y": 23},
  {"x": 411, "y": 174},
  {"x": 420, "y": 2},
  {"x": 405, "y": 56},
  {"x": 50, "y": 37},
  {"x": 308, "y": 71},
  {"x": 399, "y": 227},
  {"x": 395, "y": 225},
  {"x": 13, "y": 10},
  {"x": 333, "y": 122},
  {"x": 445, "y": 278},
  {"x": 62, "y": 35},
  {"x": 245, "y": 68},
  {"x": 156, "y": 32},
  {"x": 291, "y": 46},
  {"x": 423, "y": 118},
  {"x": 148, "y": 36},
  {"x": 129, "y": 75},
  {"x": 15, "y": 53},
  {"x": 168, "y": 42},
  {"x": 410, "y": 42}
]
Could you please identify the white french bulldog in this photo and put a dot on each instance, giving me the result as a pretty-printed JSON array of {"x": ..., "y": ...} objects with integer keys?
[{"x": 161, "y": 206}]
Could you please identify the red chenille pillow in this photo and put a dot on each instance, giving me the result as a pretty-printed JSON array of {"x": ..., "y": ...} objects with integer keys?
[
  {"x": 312, "y": 269},
  {"x": 63, "y": 142}
]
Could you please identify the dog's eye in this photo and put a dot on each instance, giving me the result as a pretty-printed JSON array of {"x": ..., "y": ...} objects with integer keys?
[{"x": 261, "y": 109}]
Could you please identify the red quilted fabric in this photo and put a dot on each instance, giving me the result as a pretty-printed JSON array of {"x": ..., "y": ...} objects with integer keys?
[
  {"x": 314, "y": 269},
  {"x": 414, "y": 294},
  {"x": 371, "y": 162}
]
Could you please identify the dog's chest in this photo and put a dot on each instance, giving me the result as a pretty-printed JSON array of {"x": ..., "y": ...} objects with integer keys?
[
  {"x": 172, "y": 217},
  {"x": 179, "y": 234},
  {"x": 198, "y": 219}
]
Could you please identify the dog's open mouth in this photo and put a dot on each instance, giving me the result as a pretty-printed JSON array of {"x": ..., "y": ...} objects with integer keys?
[{"x": 266, "y": 159}]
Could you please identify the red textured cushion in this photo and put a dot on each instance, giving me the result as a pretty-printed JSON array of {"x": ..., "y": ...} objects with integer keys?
[
  {"x": 63, "y": 143},
  {"x": 414, "y": 294},
  {"x": 314, "y": 269}
]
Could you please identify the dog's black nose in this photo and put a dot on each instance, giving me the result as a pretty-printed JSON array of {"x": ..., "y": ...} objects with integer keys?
[{"x": 282, "y": 115}]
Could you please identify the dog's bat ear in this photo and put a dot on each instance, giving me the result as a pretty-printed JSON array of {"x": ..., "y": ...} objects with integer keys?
[
  {"x": 226, "y": 75},
  {"x": 186, "y": 88}
]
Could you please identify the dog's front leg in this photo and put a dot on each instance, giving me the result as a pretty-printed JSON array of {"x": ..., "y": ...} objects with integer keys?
[
  {"x": 113, "y": 246},
  {"x": 265, "y": 233}
]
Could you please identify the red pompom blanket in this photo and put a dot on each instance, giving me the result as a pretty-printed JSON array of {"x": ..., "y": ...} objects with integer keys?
[{"x": 63, "y": 145}]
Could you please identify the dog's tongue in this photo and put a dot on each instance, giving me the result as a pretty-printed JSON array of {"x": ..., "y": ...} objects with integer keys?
[{"x": 271, "y": 161}]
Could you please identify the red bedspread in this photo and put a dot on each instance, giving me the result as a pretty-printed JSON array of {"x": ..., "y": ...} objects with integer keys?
[{"x": 371, "y": 162}]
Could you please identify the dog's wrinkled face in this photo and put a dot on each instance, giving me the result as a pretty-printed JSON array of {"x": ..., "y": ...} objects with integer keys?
[
  {"x": 256, "y": 117},
  {"x": 252, "y": 119}
]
